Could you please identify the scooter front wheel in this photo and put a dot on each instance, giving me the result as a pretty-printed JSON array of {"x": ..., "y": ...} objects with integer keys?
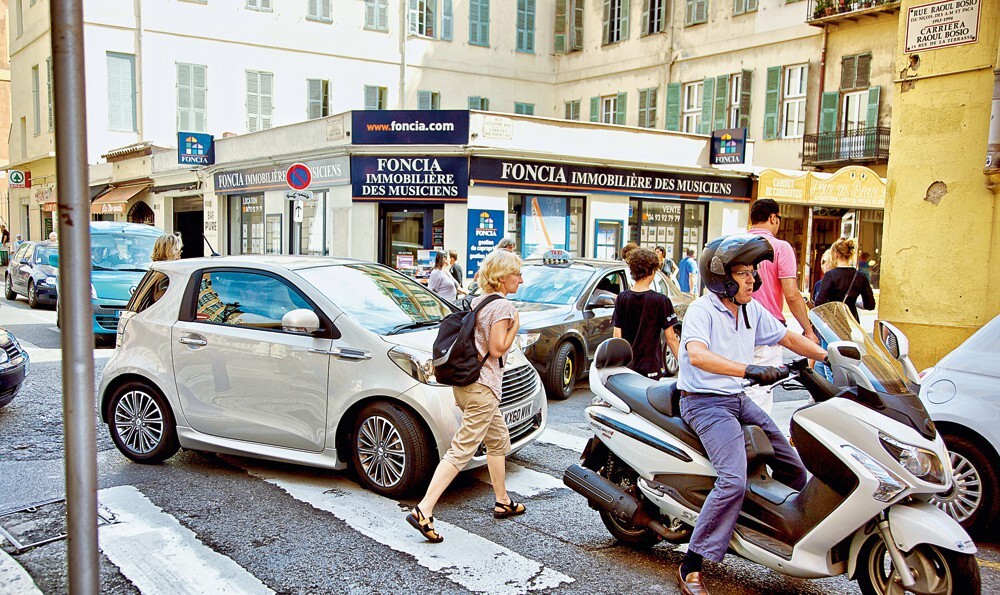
[{"x": 935, "y": 570}]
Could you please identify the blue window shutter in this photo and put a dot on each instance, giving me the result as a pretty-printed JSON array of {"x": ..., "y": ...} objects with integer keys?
[
  {"x": 446, "y": 20},
  {"x": 721, "y": 102},
  {"x": 479, "y": 22},
  {"x": 673, "y": 115},
  {"x": 772, "y": 102},
  {"x": 620, "y": 109},
  {"x": 707, "y": 104},
  {"x": 526, "y": 26}
]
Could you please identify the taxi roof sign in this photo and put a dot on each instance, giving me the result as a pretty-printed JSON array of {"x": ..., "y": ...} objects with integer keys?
[{"x": 557, "y": 258}]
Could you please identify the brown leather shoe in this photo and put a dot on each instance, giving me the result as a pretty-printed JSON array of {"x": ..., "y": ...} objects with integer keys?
[{"x": 691, "y": 584}]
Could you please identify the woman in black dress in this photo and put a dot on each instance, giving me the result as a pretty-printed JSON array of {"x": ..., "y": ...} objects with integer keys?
[{"x": 844, "y": 283}]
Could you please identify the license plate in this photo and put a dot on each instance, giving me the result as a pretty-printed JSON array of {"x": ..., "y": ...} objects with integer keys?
[{"x": 515, "y": 416}]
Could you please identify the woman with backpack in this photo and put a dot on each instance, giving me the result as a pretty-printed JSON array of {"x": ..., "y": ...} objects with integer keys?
[{"x": 482, "y": 423}]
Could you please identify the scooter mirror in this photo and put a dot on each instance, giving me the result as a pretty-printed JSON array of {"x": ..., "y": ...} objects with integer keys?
[
  {"x": 845, "y": 361},
  {"x": 895, "y": 341}
]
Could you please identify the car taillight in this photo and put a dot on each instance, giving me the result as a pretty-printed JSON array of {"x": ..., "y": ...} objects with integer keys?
[{"x": 125, "y": 317}]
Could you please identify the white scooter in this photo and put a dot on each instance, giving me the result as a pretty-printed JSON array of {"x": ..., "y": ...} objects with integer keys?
[{"x": 874, "y": 456}]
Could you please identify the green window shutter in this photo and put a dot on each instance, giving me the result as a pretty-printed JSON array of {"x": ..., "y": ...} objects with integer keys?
[
  {"x": 620, "y": 109},
  {"x": 772, "y": 102},
  {"x": 314, "y": 99},
  {"x": 606, "y": 23},
  {"x": 371, "y": 97},
  {"x": 576, "y": 41},
  {"x": 52, "y": 112},
  {"x": 266, "y": 99},
  {"x": 199, "y": 97},
  {"x": 645, "y": 18},
  {"x": 625, "y": 19},
  {"x": 707, "y": 103},
  {"x": 701, "y": 11},
  {"x": 253, "y": 101},
  {"x": 689, "y": 12},
  {"x": 721, "y": 102},
  {"x": 183, "y": 97},
  {"x": 479, "y": 22},
  {"x": 473, "y": 102},
  {"x": 595, "y": 109},
  {"x": 751, "y": 5},
  {"x": 863, "y": 78},
  {"x": 873, "y": 98},
  {"x": 848, "y": 72},
  {"x": 121, "y": 92},
  {"x": 673, "y": 115},
  {"x": 446, "y": 20},
  {"x": 415, "y": 17},
  {"x": 560, "y": 26},
  {"x": 430, "y": 17},
  {"x": 739, "y": 7},
  {"x": 525, "y": 25},
  {"x": 371, "y": 17},
  {"x": 423, "y": 100},
  {"x": 746, "y": 91},
  {"x": 828, "y": 112}
]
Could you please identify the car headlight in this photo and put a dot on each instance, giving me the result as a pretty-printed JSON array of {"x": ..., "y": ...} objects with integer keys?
[
  {"x": 4, "y": 358},
  {"x": 526, "y": 340},
  {"x": 418, "y": 364},
  {"x": 920, "y": 462},
  {"x": 889, "y": 486},
  {"x": 93, "y": 292},
  {"x": 47, "y": 281}
]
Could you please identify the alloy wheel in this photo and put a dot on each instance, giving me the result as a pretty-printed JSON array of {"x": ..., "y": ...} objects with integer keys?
[
  {"x": 966, "y": 494},
  {"x": 568, "y": 373},
  {"x": 139, "y": 421},
  {"x": 381, "y": 451}
]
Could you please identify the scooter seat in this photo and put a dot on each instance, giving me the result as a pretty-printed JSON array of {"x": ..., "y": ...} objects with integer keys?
[{"x": 636, "y": 391}]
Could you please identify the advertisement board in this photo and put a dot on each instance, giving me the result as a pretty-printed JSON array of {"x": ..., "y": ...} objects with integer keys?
[
  {"x": 408, "y": 178},
  {"x": 485, "y": 232},
  {"x": 410, "y": 127}
]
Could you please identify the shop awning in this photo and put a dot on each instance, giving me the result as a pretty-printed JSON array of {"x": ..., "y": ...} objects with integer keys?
[{"x": 113, "y": 202}]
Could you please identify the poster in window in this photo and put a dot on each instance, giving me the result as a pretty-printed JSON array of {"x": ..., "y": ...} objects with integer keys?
[
  {"x": 544, "y": 224},
  {"x": 273, "y": 239},
  {"x": 661, "y": 235},
  {"x": 642, "y": 235},
  {"x": 671, "y": 235}
]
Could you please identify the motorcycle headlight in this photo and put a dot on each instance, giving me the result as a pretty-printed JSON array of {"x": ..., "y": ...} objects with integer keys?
[
  {"x": 920, "y": 462},
  {"x": 526, "y": 340},
  {"x": 889, "y": 486},
  {"x": 416, "y": 363}
]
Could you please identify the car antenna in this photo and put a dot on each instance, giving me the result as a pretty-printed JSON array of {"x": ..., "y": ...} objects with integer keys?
[{"x": 214, "y": 253}]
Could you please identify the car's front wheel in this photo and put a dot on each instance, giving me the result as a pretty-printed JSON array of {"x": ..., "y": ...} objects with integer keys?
[
  {"x": 670, "y": 363},
  {"x": 973, "y": 499},
  {"x": 32, "y": 295},
  {"x": 391, "y": 452},
  {"x": 141, "y": 423},
  {"x": 8, "y": 289},
  {"x": 561, "y": 377}
]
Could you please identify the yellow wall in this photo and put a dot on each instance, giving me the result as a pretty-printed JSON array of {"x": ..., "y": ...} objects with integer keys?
[{"x": 940, "y": 279}]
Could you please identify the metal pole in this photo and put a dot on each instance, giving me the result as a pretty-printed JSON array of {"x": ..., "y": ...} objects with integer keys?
[{"x": 74, "y": 296}]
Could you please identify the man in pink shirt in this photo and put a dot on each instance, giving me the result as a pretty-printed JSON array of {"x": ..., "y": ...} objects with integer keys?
[{"x": 778, "y": 283}]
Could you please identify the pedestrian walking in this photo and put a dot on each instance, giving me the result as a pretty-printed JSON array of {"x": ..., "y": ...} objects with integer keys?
[
  {"x": 482, "y": 423},
  {"x": 441, "y": 281},
  {"x": 456, "y": 269},
  {"x": 844, "y": 282},
  {"x": 687, "y": 272},
  {"x": 641, "y": 315},
  {"x": 167, "y": 247},
  {"x": 778, "y": 286},
  {"x": 667, "y": 264},
  {"x": 4, "y": 235}
]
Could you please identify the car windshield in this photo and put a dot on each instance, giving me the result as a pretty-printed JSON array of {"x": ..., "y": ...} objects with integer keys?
[
  {"x": 551, "y": 285},
  {"x": 377, "y": 297},
  {"x": 42, "y": 255},
  {"x": 834, "y": 322},
  {"x": 120, "y": 252}
]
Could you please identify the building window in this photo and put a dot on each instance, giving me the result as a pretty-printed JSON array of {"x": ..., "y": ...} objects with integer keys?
[
  {"x": 480, "y": 103},
  {"x": 744, "y": 6},
  {"x": 260, "y": 100},
  {"x": 794, "y": 101},
  {"x": 526, "y": 26},
  {"x": 36, "y": 99},
  {"x": 569, "y": 26},
  {"x": 121, "y": 92},
  {"x": 479, "y": 22},
  {"x": 261, "y": 5},
  {"x": 572, "y": 111},
  {"x": 691, "y": 109},
  {"x": 696, "y": 12},
  {"x": 375, "y": 97},
  {"x": 609, "y": 106},
  {"x": 609, "y": 109},
  {"x": 855, "y": 72},
  {"x": 542, "y": 222},
  {"x": 319, "y": 10},
  {"x": 377, "y": 15},
  {"x": 317, "y": 98},
  {"x": 855, "y": 111},
  {"x": 527, "y": 109},
  {"x": 422, "y": 18},
  {"x": 615, "y": 21},
  {"x": 308, "y": 236},
  {"x": 428, "y": 100},
  {"x": 192, "y": 98},
  {"x": 51, "y": 105},
  {"x": 647, "y": 108},
  {"x": 653, "y": 16},
  {"x": 735, "y": 87}
]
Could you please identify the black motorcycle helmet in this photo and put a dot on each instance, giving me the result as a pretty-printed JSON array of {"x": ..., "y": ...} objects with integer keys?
[{"x": 721, "y": 254}]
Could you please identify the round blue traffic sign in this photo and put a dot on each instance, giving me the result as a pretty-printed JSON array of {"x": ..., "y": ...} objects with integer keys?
[{"x": 298, "y": 176}]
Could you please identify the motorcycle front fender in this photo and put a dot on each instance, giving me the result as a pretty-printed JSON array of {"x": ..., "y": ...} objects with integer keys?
[{"x": 912, "y": 524}]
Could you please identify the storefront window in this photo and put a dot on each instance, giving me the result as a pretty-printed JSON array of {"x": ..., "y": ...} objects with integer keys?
[
  {"x": 675, "y": 226},
  {"x": 538, "y": 223},
  {"x": 309, "y": 226},
  {"x": 246, "y": 222},
  {"x": 411, "y": 236},
  {"x": 272, "y": 244}
]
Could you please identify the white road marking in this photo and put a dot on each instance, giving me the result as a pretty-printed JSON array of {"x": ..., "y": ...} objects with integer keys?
[
  {"x": 521, "y": 480},
  {"x": 15, "y": 580},
  {"x": 158, "y": 555},
  {"x": 563, "y": 440},
  {"x": 464, "y": 558}
]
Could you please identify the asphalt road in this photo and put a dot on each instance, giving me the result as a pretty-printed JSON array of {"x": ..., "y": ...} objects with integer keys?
[{"x": 204, "y": 523}]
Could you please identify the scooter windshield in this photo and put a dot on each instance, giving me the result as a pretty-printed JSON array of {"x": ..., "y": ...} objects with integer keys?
[{"x": 834, "y": 322}]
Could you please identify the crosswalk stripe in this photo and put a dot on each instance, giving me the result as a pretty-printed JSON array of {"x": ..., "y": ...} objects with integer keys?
[
  {"x": 159, "y": 555},
  {"x": 465, "y": 558},
  {"x": 521, "y": 480},
  {"x": 563, "y": 440},
  {"x": 15, "y": 580}
]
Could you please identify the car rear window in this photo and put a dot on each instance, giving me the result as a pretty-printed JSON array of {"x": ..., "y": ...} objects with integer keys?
[{"x": 152, "y": 287}]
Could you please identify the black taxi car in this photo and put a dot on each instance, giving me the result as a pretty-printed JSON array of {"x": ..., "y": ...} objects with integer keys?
[{"x": 565, "y": 307}]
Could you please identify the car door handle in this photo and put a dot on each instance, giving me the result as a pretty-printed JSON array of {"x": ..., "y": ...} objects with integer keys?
[
  {"x": 193, "y": 342},
  {"x": 344, "y": 353}
]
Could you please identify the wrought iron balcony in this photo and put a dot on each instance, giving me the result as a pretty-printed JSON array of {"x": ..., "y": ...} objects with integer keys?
[
  {"x": 823, "y": 12},
  {"x": 864, "y": 145}
]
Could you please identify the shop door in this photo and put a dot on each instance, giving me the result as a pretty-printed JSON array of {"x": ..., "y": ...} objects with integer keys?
[{"x": 409, "y": 237}]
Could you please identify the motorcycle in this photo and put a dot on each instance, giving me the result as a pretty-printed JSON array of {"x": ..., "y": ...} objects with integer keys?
[{"x": 874, "y": 456}]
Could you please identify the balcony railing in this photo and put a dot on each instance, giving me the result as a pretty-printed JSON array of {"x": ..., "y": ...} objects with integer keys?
[
  {"x": 821, "y": 12},
  {"x": 864, "y": 145}
]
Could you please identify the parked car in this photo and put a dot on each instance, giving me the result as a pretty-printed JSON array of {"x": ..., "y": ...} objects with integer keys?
[
  {"x": 962, "y": 395},
  {"x": 29, "y": 273},
  {"x": 565, "y": 309},
  {"x": 309, "y": 360},
  {"x": 13, "y": 366}
]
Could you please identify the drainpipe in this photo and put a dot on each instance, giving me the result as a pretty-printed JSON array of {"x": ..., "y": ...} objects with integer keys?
[
  {"x": 138, "y": 69},
  {"x": 403, "y": 29}
]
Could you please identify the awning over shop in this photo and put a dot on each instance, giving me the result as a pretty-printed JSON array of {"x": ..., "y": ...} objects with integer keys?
[
  {"x": 114, "y": 201},
  {"x": 852, "y": 187}
]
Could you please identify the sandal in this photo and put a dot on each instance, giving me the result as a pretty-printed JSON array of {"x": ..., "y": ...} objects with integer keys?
[
  {"x": 423, "y": 524},
  {"x": 509, "y": 510}
]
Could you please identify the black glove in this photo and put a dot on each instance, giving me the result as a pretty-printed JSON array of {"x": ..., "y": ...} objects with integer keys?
[{"x": 763, "y": 374}]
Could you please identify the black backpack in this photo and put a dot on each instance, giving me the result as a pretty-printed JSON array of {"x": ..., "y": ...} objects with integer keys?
[{"x": 456, "y": 359}]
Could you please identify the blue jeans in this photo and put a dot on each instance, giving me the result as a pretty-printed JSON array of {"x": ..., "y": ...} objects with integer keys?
[{"x": 717, "y": 419}]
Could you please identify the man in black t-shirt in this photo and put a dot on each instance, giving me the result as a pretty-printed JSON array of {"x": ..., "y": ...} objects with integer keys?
[{"x": 641, "y": 314}]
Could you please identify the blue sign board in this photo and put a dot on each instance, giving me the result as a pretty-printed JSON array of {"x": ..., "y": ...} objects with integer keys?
[
  {"x": 729, "y": 146},
  {"x": 195, "y": 148},
  {"x": 410, "y": 127},
  {"x": 410, "y": 178},
  {"x": 485, "y": 232}
]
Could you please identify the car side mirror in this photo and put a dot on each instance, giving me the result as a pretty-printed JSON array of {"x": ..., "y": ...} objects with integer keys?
[
  {"x": 302, "y": 321},
  {"x": 601, "y": 301},
  {"x": 54, "y": 260},
  {"x": 898, "y": 346}
]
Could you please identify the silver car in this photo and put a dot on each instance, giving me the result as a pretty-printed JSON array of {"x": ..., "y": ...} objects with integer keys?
[{"x": 315, "y": 361}]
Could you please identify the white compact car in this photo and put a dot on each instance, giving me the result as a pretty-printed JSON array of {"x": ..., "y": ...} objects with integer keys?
[{"x": 307, "y": 360}]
